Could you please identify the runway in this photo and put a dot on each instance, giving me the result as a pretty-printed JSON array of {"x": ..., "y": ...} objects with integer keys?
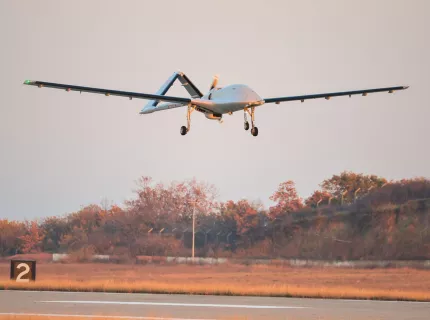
[{"x": 179, "y": 307}]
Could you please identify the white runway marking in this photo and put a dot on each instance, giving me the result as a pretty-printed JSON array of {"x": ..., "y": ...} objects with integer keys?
[
  {"x": 175, "y": 304},
  {"x": 92, "y": 316}
]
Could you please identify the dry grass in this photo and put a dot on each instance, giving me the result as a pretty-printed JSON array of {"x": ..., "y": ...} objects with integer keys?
[
  {"x": 61, "y": 317},
  {"x": 52, "y": 317},
  {"x": 386, "y": 284},
  {"x": 94, "y": 317}
]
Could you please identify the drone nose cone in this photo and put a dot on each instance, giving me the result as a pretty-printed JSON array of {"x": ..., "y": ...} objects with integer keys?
[{"x": 146, "y": 111}]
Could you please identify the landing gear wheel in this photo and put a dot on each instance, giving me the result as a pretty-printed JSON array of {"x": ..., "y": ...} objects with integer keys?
[
  {"x": 184, "y": 130},
  {"x": 254, "y": 129}
]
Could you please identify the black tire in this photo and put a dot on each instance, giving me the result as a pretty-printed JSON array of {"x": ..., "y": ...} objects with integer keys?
[
  {"x": 246, "y": 125},
  {"x": 184, "y": 130},
  {"x": 254, "y": 131}
]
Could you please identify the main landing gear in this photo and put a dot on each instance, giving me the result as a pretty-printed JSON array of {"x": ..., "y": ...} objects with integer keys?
[
  {"x": 254, "y": 129},
  {"x": 185, "y": 129}
]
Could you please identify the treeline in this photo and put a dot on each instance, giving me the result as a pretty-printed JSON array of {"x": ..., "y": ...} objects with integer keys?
[{"x": 351, "y": 216}]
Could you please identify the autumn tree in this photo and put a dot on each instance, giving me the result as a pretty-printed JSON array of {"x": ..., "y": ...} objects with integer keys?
[
  {"x": 82, "y": 225},
  {"x": 32, "y": 239},
  {"x": 10, "y": 234},
  {"x": 240, "y": 217},
  {"x": 286, "y": 199},
  {"x": 348, "y": 184},
  {"x": 159, "y": 205},
  {"x": 318, "y": 197},
  {"x": 399, "y": 192},
  {"x": 53, "y": 229}
]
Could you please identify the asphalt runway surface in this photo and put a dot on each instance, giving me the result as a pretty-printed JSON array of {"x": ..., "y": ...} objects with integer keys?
[{"x": 161, "y": 306}]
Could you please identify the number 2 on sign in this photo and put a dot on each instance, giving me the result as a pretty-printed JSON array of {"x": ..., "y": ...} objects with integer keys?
[{"x": 23, "y": 273}]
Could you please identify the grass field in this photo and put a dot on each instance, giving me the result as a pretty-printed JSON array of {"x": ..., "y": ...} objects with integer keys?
[
  {"x": 257, "y": 280},
  {"x": 53, "y": 317},
  {"x": 61, "y": 317}
]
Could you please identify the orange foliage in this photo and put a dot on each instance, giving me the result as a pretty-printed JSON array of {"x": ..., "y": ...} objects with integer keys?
[
  {"x": 286, "y": 198},
  {"x": 33, "y": 237},
  {"x": 382, "y": 221}
]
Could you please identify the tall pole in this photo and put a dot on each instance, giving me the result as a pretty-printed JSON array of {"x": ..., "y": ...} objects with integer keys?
[
  {"x": 355, "y": 194},
  {"x": 343, "y": 195},
  {"x": 194, "y": 223}
]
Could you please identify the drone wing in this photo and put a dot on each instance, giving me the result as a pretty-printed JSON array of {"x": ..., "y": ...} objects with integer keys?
[
  {"x": 327, "y": 96},
  {"x": 179, "y": 101}
]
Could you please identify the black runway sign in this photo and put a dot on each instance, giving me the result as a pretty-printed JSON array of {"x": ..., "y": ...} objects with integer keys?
[{"x": 23, "y": 270}]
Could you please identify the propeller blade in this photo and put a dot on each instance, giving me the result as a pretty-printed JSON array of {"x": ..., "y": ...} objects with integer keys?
[{"x": 214, "y": 82}]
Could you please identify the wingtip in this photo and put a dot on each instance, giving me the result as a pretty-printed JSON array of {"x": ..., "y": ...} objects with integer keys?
[
  {"x": 405, "y": 87},
  {"x": 29, "y": 82}
]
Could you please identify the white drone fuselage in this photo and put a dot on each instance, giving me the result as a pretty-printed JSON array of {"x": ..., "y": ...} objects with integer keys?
[
  {"x": 218, "y": 101},
  {"x": 230, "y": 99}
]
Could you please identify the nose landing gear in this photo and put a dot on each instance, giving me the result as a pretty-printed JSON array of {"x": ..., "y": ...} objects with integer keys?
[{"x": 254, "y": 129}]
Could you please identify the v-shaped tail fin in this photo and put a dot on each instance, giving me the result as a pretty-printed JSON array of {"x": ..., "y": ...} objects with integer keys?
[{"x": 186, "y": 83}]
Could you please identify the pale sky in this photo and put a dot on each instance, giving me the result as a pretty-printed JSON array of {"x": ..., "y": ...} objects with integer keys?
[{"x": 60, "y": 151}]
